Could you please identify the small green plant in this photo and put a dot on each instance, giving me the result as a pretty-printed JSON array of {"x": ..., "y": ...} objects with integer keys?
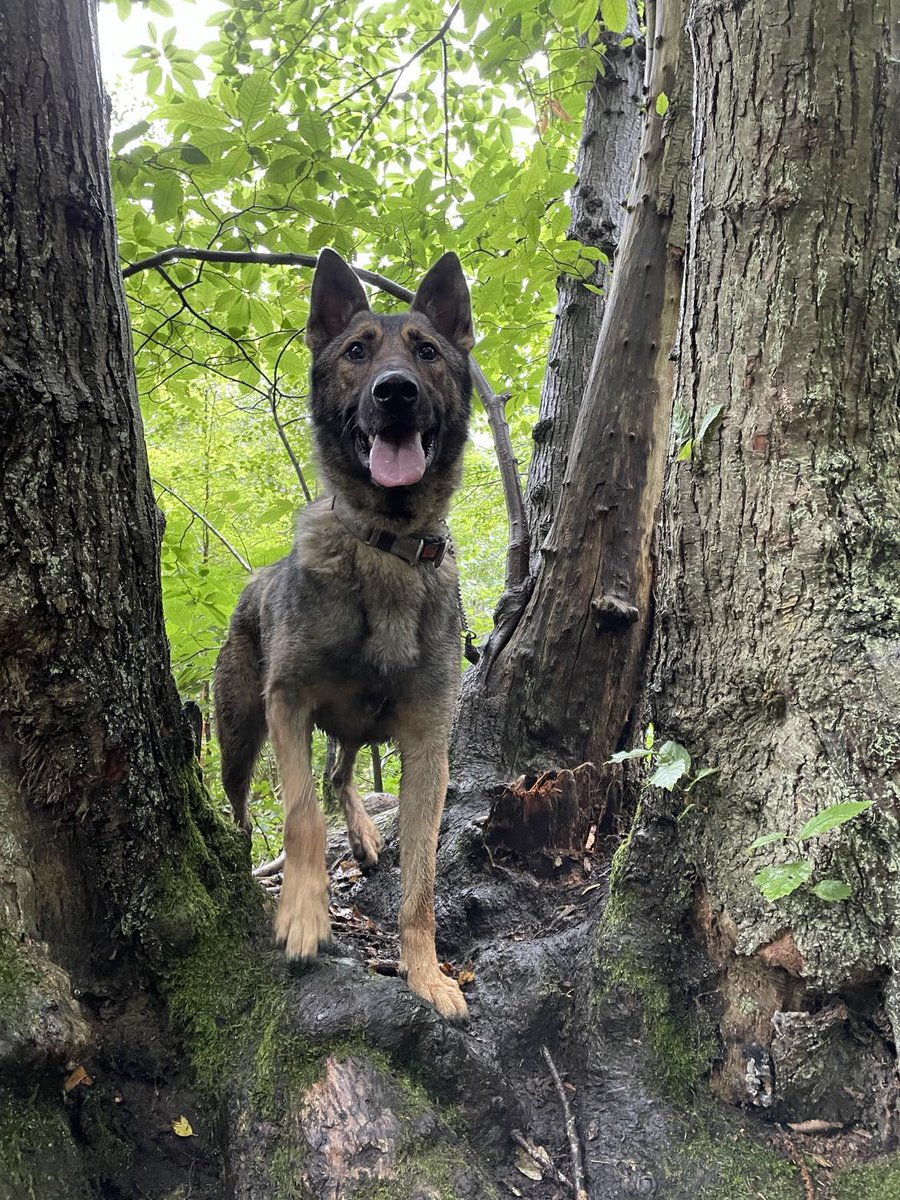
[
  {"x": 784, "y": 878},
  {"x": 681, "y": 422},
  {"x": 671, "y": 763}
]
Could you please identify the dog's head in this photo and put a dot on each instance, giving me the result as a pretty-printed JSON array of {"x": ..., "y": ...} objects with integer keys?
[{"x": 390, "y": 393}]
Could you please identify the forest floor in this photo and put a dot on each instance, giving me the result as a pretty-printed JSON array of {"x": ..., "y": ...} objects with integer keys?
[
  {"x": 523, "y": 949},
  {"x": 365, "y": 1092}
]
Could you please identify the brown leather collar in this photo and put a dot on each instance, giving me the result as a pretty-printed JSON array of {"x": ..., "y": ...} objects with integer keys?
[{"x": 415, "y": 548}]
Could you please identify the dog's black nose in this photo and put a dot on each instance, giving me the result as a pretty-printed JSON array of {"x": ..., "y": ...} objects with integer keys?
[{"x": 395, "y": 387}]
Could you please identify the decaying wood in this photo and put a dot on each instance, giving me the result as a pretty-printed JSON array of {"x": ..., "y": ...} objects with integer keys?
[
  {"x": 571, "y": 671},
  {"x": 545, "y": 820}
]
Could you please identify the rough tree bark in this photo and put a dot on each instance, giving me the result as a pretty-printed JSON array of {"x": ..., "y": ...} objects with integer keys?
[
  {"x": 777, "y": 654},
  {"x": 562, "y": 690},
  {"x": 605, "y": 167}
]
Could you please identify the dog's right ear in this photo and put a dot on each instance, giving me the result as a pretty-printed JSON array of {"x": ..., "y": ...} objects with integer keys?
[{"x": 337, "y": 296}]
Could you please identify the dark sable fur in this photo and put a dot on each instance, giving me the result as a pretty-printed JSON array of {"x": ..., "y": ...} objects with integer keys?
[{"x": 345, "y": 636}]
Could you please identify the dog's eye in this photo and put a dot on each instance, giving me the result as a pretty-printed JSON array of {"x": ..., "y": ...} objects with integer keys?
[
  {"x": 427, "y": 351},
  {"x": 355, "y": 351}
]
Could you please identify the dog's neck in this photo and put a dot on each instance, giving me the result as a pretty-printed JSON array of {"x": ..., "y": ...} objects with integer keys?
[{"x": 394, "y": 510}]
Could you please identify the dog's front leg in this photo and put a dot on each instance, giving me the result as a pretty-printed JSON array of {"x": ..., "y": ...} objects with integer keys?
[
  {"x": 302, "y": 924},
  {"x": 423, "y": 788}
]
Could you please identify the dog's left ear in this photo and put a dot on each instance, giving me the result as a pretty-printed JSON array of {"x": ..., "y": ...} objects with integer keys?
[
  {"x": 443, "y": 297},
  {"x": 337, "y": 296}
]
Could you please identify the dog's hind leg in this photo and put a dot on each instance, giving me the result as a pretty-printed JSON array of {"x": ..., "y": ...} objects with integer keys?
[
  {"x": 365, "y": 840},
  {"x": 302, "y": 923},
  {"x": 240, "y": 720},
  {"x": 423, "y": 788}
]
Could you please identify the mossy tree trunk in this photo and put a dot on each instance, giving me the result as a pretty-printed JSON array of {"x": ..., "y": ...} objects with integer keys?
[{"x": 777, "y": 651}]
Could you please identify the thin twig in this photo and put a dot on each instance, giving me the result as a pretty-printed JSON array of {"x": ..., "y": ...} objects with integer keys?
[
  {"x": 571, "y": 1129},
  {"x": 279, "y": 424},
  {"x": 446, "y": 97},
  {"x": 269, "y": 868},
  {"x": 209, "y": 525},
  {"x": 400, "y": 68},
  {"x": 799, "y": 1162},
  {"x": 539, "y": 1155}
]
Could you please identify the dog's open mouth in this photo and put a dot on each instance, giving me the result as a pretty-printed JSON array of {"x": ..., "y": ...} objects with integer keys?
[{"x": 397, "y": 458}]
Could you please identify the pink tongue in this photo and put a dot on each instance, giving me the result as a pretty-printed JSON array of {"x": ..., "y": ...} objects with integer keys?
[{"x": 397, "y": 463}]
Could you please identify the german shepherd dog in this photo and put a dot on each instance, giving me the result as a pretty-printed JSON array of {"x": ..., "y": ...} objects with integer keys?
[{"x": 357, "y": 631}]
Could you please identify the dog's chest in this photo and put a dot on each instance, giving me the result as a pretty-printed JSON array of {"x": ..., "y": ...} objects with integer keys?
[{"x": 394, "y": 599}]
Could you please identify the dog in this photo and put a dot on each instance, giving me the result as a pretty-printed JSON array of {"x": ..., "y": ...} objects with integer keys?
[{"x": 357, "y": 631}]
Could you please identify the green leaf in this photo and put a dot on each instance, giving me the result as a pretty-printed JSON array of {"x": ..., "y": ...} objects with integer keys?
[
  {"x": 831, "y": 817},
  {"x": 586, "y": 15},
  {"x": 775, "y": 882},
  {"x": 686, "y": 451},
  {"x": 681, "y": 423},
  {"x": 167, "y": 196},
  {"x": 662, "y": 104},
  {"x": 766, "y": 840},
  {"x": 707, "y": 422},
  {"x": 193, "y": 155},
  {"x": 199, "y": 114},
  {"x": 621, "y": 756},
  {"x": 832, "y": 890},
  {"x": 614, "y": 14},
  {"x": 703, "y": 773},
  {"x": 131, "y": 134},
  {"x": 255, "y": 99},
  {"x": 672, "y": 762}
]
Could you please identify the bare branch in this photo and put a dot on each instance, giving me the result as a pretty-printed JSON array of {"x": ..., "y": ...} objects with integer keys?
[
  {"x": 571, "y": 1129},
  {"x": 209, "y": 525}
]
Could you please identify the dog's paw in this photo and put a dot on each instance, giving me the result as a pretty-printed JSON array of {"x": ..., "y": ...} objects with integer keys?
[
  {"x": 365, "y": 840},
  {"x": 302, "y": 923},
  {"x": 441, "y": 991}
]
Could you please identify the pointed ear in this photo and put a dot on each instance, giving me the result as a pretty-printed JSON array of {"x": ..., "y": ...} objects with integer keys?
[
  {"x": 443, "y": 297},
  {"x": 337, "y": 295}
]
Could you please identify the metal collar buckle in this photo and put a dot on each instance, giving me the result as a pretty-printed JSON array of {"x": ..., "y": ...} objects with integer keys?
[{"x": 432, "y": 550}]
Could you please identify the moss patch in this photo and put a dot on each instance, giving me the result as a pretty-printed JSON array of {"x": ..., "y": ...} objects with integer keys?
[
  {"x": 18, "y": 975},
  {"x": 730, "y": 1165},
  {"x": 423, "y": 1170},
  {"x": 38, "y": 1158},
  {"x": 683, "y": 1043},
  {"x": 874, "y": 1181}
]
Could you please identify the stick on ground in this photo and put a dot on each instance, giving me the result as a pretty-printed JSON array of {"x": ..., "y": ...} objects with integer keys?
[{"x": 571, "y": 1129}]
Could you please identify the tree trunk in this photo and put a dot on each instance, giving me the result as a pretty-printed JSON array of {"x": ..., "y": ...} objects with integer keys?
[
  {"x": 777, "y": 657},
  {"x": 562, "y": 690},
  {"x": 605, "y": 166}
]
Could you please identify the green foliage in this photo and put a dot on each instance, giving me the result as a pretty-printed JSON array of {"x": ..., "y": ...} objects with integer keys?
[
  {"x": 671, "y": 762},
  {"x": 783, "y": 879},
  {"x": 681, "y": 420},
  {"x": 391, "y": 134}
]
